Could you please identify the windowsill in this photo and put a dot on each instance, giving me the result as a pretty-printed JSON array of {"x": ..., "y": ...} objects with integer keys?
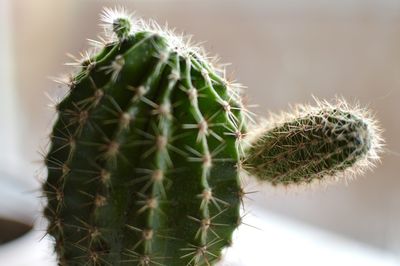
[{"x": 273, "y": 240}]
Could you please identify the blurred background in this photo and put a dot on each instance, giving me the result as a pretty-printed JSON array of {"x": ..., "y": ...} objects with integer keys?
[{"x": 283, "y": 51}]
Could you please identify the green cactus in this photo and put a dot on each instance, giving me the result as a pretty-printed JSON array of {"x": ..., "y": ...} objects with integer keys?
[
  {"x": 312, "y": 143},
  {"x": 146, "y": 152}
]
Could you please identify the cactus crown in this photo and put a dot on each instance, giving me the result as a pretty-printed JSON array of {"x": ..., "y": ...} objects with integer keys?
[{"x": 143, "y": 167}]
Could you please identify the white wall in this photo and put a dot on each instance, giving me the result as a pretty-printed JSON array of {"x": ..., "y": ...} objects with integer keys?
[{"x": 8, "y": 112}]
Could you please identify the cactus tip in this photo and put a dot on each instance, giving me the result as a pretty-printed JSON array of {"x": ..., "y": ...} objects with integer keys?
[{"x": 117, "y": 21}]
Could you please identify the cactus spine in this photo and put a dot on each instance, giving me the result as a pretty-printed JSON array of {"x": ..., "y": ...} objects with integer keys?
[{"x": 143, "y": 167}]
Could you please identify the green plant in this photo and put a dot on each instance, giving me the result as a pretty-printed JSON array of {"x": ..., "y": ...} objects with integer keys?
[{"x": 147, "y": 149}]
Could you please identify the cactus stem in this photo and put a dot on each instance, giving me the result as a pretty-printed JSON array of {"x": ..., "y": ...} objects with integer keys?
[{"x": 345, "y": 140}]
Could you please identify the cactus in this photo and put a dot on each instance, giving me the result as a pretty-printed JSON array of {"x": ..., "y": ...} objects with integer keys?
[
  {"x": 147, "y": 149},
  {"x": 313, "y": 143}
]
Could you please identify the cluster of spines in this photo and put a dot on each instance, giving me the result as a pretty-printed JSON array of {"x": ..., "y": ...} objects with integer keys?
[{"x": 98, "y": 126}]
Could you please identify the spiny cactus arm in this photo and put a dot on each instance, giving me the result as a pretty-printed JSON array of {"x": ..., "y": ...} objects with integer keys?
[{"x": 314, "y": 143}]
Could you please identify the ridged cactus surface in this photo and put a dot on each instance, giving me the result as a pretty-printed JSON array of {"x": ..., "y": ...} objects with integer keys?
[
  {"x": 146, "y": 152},
  {"x": 313, "y": 143},
  {"x": 142, "y": 167}
]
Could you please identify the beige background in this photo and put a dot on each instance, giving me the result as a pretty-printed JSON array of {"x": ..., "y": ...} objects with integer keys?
[{"x": 284, "y": 51}]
